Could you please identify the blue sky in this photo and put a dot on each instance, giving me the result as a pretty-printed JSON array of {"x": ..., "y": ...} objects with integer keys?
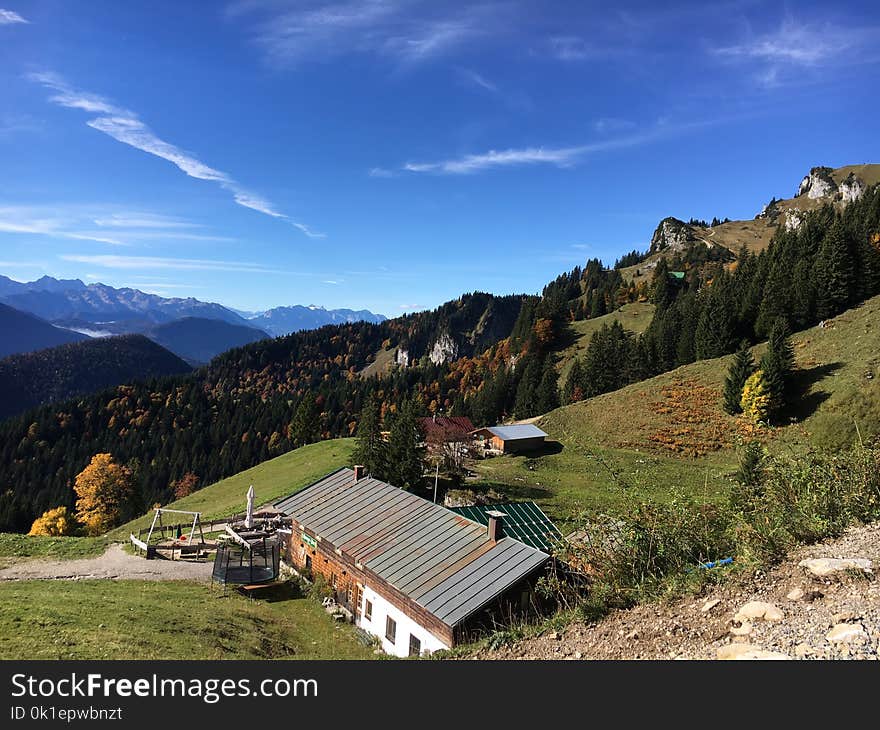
[{"x": 393, "y": 154}]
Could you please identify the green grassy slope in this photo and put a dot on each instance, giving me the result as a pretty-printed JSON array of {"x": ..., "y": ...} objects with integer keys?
[
  {"x": 635, "y": 316},
  {"x": 670, "y": 433},
  {"x": 271, "y": 479},
  {"x": 14, "y": 547},
  {"x": 173, "y": 620}
]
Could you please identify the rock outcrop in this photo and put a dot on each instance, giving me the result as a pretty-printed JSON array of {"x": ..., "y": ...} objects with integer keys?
[
  {"x": 672, "y": 235},
  {"x": 444, "y": 350},
  {"x": 818, "y": 184}
]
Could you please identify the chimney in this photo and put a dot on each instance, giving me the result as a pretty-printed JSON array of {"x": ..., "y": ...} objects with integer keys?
[
  {"x": 359, "y": 472},
  {"x": 496, "y": 521}
]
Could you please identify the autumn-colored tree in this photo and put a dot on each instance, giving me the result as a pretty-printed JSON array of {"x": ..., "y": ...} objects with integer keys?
[
  {"x": 103, "y": 490},
  {"x": 186, "y": 485},
  {"x": 54, "y": 523},
  {"x": 756, "y": 398}
]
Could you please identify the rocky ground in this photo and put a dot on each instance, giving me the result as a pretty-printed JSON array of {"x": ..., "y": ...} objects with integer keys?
[
  {"x": 823, "y": 602},
  {"x": 115, "y": 563}
]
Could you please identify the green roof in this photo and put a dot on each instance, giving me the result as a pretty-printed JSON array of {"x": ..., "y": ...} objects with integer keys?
[
  {"x": 523, "y": 521},
  {"x": 677, "y": 274}
]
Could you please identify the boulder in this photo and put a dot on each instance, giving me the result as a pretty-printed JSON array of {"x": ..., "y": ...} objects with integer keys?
[
  {"x": 747, "y": 651},
  {"x": 836, "y": 567},
  {"x": 847, "y": 634},
  {"x": 759, "y": 610}
]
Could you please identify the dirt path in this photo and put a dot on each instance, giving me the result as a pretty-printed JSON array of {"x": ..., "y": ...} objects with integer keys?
[
  {"x": 114, "y": 564},
  {"x": 792, "y": 613}
]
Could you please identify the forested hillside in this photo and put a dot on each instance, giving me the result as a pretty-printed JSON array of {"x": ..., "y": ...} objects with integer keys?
[
  {"x": 257, "y": 401},
  {"x": 65, "y": 371}
]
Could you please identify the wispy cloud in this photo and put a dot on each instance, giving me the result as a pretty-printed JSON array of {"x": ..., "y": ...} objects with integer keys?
[
  {"x": 560, "y": 156},
  {"x": 381, "y": 172},
  {"x": 126, "y": 126},
  {"x": 9, "y": 17},
  {"x": 557, "y": 156},
  {"x": 478, "y": 80},
  {"x": 571, "y": 48},
  {"x": 796, "y": 46},
  {"x": 160, "y": 262},
  {"x": 83, "y": 223},
  {"x": 408, "y": 32},
  {"x": 607, "y": 125}
]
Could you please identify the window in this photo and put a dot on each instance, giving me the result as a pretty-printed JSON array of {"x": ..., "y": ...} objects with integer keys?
[
  {"x": 415, "y": 645},
  {"x": 368, "y": 610},
  {"x": 390, "y": 629}
]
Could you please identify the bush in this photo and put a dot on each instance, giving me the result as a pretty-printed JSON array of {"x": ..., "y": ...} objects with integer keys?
[
  {"x": 780, "y": 502},
  {"x": 56, "y": 522}
]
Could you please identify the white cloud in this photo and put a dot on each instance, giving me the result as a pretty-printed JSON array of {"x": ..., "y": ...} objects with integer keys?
[
  {"x": 159, "y": 262},
  {"x": 606, "y": 125},
  {"x": 780, "y": 55},
  {"x": 561, "y": 157},
  {"x": 795, "y": 43},
  {"x": 478, "y": 80},
  {"x": 571, "y": 48},
  {"x": 405, "y": 31},
  {"x": 557, "y": 156},
  {"x": 8, "y": 17},
  {"x": 381, "y": 172},
  {"x": 126, "y": 126},
  {"x": 142, "y": 220},
  {"x": 88, "y": 224}
]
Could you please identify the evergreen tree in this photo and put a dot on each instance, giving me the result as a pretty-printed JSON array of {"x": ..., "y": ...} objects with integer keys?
[
  {"x": 573, "y": 390},
  {"x": 715, "y": 331},
  {"x": 547, "y": 397},
  {"x": 405, "y": 452},
  {"x": 370, "y": 448},
  {"x": 776, "y": 365},
  {"x": 305, "y": 427},
  {"x": 835, "y": 272},
  {"x": 741, "y": 368},
  {"x": 526, "y": 403}
]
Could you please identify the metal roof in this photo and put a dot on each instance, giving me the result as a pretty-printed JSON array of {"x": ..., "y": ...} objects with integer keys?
[
  {"x": 437, "y": 558},
  {"x": 516, "y": 431},
  {"x": 525, "y": 521}
]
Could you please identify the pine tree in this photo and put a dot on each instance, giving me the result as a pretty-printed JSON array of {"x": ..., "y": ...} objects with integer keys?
[
  {"x": 776, "y": 365},
  {"x": 835, "y": 272},
  {"x": 741, "y": 368},
  {"x": 405, "y": 454},
  {"x": 547, "y": 397},
  {"x": 755, "y": 402},
  {"x": 573, "y": 389},
  {"x": 370, "y": 448},
  {"x": 714, "y": 335},
  {"x": 305, "y": 427}
]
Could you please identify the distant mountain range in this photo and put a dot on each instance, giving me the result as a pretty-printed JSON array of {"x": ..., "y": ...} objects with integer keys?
[
  {"x": 198, "y": 334},
  {"x": 284, "y": 320}
]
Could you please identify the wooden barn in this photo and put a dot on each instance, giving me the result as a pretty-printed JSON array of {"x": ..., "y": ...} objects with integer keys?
[
  {"x": 513, "y": 439},
  {"x": 412, "y": 573},
  {"x": 446, "y": 429}
]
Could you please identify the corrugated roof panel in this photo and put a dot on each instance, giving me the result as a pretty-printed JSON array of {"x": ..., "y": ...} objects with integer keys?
[
  {"x": 424, "y": 550},
  {"x": 516, "y": 431},
  {"x": 523, "y": 520}
]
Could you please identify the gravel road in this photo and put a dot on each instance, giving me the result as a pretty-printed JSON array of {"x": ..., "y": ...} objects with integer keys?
[{"x": 114, "y": 564}]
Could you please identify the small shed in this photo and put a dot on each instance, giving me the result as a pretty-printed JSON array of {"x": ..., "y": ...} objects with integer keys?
[{"x": 513, "y": 439}]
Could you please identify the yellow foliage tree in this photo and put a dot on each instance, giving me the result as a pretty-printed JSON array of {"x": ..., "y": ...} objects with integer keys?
[
  {"x": 756, "y": 398},
  {"x": 54, "y": 523},
  {"x": 103, "y": 488}
]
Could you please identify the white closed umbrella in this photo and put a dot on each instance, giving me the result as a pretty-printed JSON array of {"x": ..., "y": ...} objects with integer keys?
[{"x": 249, "y": 518}]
